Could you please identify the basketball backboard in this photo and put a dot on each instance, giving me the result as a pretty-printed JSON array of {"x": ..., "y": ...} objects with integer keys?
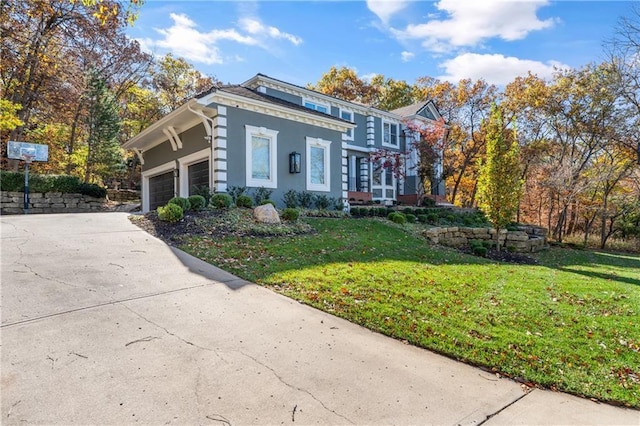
[{"x": 33, "y": 151}]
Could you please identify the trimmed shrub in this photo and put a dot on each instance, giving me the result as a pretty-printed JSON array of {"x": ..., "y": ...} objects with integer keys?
[
  {"x": 305, "y": 199},
  {"x": 170, "y": 213},
  {"x": 235, "y": 192},
  {"x": 182, "y": 202},
  {"x": 423, "y": 218},
  {"x": 261, "y": 194},
  {"x": 11, "y": 181},
  {"x": 322, "y": 202},
  {"x": 397, "y": 217},
  {"x": 92, "y": 190},
  {"x": 244, "y": 201},
  {"x": 198, "y": 202},
  {"x": 480, "y": 251},
  {"x": 290, "y": 199},
  {"x": 66, "y": 184},
  {"x": 411, "y": 218},
  {"x": 428, "y": 202},
  {"x": 432, "y": 218},
  {"x": 407, "y": 210},
  {"x": 203, "y": 191},
  {"x": 290, "y": 214},
  {"x": 221, "y": 201},
  {"x": 273, "y": 203}
]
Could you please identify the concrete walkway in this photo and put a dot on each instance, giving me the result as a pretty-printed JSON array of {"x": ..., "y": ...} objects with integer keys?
[{"x": 104, "y": 324}]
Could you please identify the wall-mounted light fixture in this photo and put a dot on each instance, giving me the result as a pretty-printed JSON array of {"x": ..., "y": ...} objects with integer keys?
[{"x": 295, "y": 162}]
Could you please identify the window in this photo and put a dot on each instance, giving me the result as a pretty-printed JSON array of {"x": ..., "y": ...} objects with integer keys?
[
  {"x": 261, "y": 157},
  {"x": 316, "y": 106},
  {"x": 347, "y": 115},
  {"x": 318, "y": 165},
  {"x": 389, "y": 134}
]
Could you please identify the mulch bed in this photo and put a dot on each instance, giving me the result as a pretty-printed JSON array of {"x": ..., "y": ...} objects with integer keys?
[{"x": 172, "y": 232}]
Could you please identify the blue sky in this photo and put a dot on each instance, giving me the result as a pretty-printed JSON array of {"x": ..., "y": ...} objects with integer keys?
[{"x": 297, "y": 41}]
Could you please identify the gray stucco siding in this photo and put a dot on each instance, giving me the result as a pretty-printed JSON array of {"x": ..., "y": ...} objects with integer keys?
[
  {"x": 291, "y": 137},
  {"x": 360, "y": 132},
  {"x": 285, "y": 96},
  {"x": 193, "y": 140}
]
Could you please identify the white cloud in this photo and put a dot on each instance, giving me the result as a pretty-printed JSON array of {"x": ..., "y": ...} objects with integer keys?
[
  {"x": 255, "y": 27},
  {"x": 496, "y": 69},
  {"x": 407, "y": 56},
  {"x": 469, "y": 23},
  {"x": 183, "y": 38},
  {"x": 384, "y": 9}
]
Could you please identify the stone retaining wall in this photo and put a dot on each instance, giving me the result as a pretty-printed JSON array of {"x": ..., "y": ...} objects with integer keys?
[
  {"x": 527, "y": 239},
  {"x": 50, "y": 202},
  {"x": 123, "y": 195}
]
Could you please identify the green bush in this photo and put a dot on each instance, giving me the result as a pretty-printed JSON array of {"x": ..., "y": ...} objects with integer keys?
[
  {"x": 432, "y": 218},
  {"x": 170, "y": 213},
  {"x": 411, "y": 218},
  {"x": 397, "y": 217},
  {"x": 322, "y": 202},
  {"x": 290, "y": 214},
  {"x": 263, "y": 202},
  {"x": 203, "y": 191},
  {"x": 423, "y": 218},
  {"x": 480, "y": 251},
  {"x": 488, "y": 244},
  {"x": 66, "y": 183},
  {"x": 428, "y": 202},
  {"x": 92, "y": 190},
  {"x": 235, "y": 192},
  {"x": 221, "y": 201},
  {"x": 184, "y": 203},
  {"x": 290, "y": 199},
  {"x": 244, "y": 201},
  {"x": 305, "y": 199},
  {"x": 11, "y": 181},
  {"x": 261, "y": 194},
  {"x": 198, "y": 202},
  {"x": 407, "y": 210}
]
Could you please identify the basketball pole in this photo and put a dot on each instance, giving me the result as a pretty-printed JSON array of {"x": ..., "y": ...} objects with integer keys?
[{"x": 26, "y": 187}]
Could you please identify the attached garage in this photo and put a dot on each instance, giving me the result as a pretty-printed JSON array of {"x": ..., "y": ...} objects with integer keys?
[{"x": 161, "y": 190}]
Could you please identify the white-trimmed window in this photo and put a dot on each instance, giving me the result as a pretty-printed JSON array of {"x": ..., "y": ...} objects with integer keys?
[
  {"x": 318, "y": 165},
  {"x": 347, "y": 115},
  {"x": 390, "y": 134},
  {"x": 262, "y": 155},
  {"x": 316, "y": 106}
]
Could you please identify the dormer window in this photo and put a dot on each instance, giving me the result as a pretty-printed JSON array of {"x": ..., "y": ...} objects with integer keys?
[{"x": 316, "y": 106}]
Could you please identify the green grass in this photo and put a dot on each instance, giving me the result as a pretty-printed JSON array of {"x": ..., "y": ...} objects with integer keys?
[{"x": 570, "y": 323}]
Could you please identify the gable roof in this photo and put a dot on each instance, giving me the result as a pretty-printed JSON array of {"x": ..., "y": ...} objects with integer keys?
[{"x": 426, "y": 110}]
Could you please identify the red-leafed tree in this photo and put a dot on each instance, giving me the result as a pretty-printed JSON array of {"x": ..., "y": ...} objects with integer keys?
[{"x": 427, "y": 141}]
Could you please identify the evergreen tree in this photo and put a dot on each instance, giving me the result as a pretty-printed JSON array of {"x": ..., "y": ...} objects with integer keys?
[
  {"x": 104, "y": 155},
  {"x": 499, "y": 181}
]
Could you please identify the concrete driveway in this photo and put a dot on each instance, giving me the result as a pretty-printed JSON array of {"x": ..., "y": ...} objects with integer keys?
[{"x": 104, "y": 324}]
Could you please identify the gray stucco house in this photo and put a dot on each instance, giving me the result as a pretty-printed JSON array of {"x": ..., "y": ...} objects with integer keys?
[{"x": 248, "y": 134}]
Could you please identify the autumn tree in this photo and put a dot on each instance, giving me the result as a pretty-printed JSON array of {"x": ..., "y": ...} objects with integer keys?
[
  {"x": 344, "y": 83},
  {"x": 104, "y": 154},
  {"x": 175, "y": 80},
  {"x": 499, "y": 180}
]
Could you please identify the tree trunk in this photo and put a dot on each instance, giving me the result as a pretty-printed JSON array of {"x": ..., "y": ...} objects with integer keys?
[{"x": 603, "y": 220}]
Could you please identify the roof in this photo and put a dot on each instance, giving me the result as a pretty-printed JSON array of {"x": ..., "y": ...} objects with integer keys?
[
  {"x": 417, "y": 109},
  {"x": 258, "y": 96}
]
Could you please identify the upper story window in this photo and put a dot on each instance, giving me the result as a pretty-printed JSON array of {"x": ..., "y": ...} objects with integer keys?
[
  {"x": 390, "y": 134},
  {"x": 316, "y": 106},
  {"x": 261, "y": 161},
  {"x": 347, "y": 115}
]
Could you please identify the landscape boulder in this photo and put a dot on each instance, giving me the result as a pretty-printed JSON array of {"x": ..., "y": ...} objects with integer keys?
[{"x": 266, "y": 214}]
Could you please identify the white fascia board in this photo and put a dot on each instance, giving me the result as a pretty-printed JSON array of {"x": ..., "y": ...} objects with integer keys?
[
  {"x": 138, "y": 139},
  {"x": 230, "y": 99}
]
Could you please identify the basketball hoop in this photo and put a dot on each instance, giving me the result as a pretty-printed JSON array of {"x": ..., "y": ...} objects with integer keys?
[{"x": 27, "y": 158}]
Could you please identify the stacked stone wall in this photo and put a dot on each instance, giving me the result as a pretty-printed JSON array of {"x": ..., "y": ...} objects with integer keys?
[
  {"x": 50, "y": 202},
  {"x": 526, "y": 239}
]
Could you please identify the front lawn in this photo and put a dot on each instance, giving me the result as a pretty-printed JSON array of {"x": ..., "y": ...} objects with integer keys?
[{"x": 570, "y": 323}]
